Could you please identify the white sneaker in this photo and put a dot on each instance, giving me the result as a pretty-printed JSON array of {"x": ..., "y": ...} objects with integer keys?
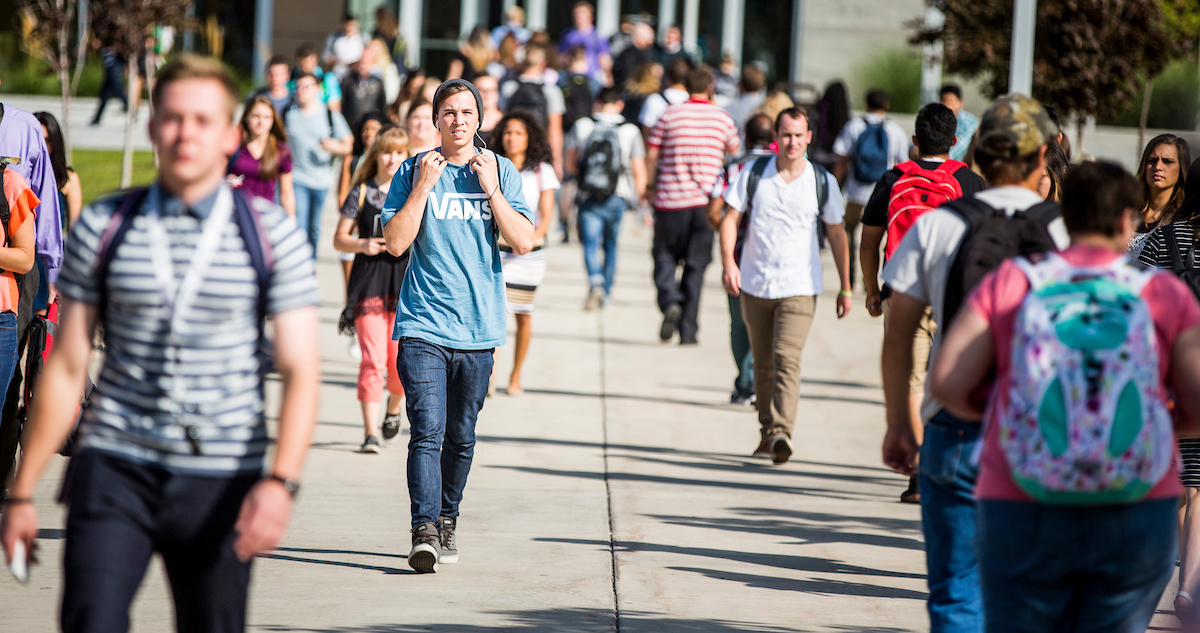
[{"x": 353, "y": 348}]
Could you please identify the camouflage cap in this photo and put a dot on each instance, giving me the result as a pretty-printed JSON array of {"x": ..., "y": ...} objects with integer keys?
[{"x": 1015, "y": 126}]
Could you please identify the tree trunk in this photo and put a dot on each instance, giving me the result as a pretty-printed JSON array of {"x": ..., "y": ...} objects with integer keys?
[
  {"x": 1080, "y": 123},
  {"x": 64, "y": 76},
  {"x": 83, "y": 10},
  {"x": 130, "y": 118},
  {"x": 1147, "y": 93}
]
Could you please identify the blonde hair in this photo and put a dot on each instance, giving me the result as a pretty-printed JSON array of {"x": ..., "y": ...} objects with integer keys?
[
  {"x": 390, "y": 139},
  {"x": 775, "y": 102}
]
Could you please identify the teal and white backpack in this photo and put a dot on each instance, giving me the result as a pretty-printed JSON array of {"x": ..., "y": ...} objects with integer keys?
[{"x": 1085, "y": 422}]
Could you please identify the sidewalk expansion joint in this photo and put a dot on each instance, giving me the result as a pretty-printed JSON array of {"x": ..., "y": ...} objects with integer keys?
[{"x": 612, "y": 543}]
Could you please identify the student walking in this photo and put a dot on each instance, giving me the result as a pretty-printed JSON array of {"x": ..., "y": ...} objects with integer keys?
[
  {"x": 905, "y": 193},
  {"x": 867, "y": 147},
  {"x": 187, "y": 479},
  {"x": 373, "y": 288},
  {"x": 450, "y": 317},
  {"x": 760, "y": 134},
  {"x": 608, "y": 158},
  {"x": 1078, "y": 480},
  {"x": 779, "y": 273},
  {"x": 1162, "y": 174},
  {"x": 930, "y": 270},
  {"x": 521, "y": 139},
  {"x": 318, "y": 135},
  {"x": 262, "y": 165},
  {"x": 692, "y": 139}
]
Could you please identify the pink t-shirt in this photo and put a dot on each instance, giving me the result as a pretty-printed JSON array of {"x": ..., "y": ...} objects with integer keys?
[{"x": 998, "y": 300}]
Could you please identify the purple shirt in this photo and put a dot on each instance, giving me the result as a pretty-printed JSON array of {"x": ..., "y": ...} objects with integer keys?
[
  {"x": 21, "y": 137},
  {"x": 246, "y": 165},
  {"x": 592, "y": 42}
]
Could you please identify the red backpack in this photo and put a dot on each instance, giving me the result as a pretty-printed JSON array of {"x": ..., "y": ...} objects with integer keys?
[{"x": 918, "y": 191}]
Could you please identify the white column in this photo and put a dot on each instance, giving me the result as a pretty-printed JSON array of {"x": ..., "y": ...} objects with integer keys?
[
  {"x": 412, "y": 20},
  {"x": 468, "y": 17},
  {"x": 1020, "y": 73},
  {"x": 535, "y": 15},
  {"x": 608, "y": 17},
  {"x": 666, "y": 17},
  {"x": 931, "y": 58},
  {"x": 691, "y": 25},
  {"x": 264, "y": 28},
  {"x": 506, "y": 5},
  {"x": 797, "y": 56},
  {"x": 732, "y": 29}
]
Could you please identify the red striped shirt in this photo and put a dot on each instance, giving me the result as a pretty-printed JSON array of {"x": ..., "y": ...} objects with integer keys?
[{"x": 693, "y": 138}]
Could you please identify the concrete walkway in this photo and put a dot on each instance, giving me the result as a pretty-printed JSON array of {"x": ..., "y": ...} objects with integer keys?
[{"x": 617, "y": 495}]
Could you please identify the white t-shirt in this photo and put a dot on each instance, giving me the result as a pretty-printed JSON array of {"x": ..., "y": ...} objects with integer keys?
[
  {"x": 631, "y": 146},
  {"x": 898, "y": 144},
  {"x": 656, "y": 104},
  {"x": 922, "y": 262},
  {"x": 533, "y": 183},
  {"x": 781, "y": 257}
]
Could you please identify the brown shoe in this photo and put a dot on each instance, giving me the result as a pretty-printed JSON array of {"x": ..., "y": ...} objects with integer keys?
[
  {"x": 913, "y": 494},
  {"x": 763, "y": 451},
  {"x": 781, "y": 449}
]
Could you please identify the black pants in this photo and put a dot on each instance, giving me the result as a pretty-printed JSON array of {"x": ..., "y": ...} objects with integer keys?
[
  {"x": 681, "y": 238},
  {"x": 120, "y": 513},
  {"x": 112, "y": 86}
]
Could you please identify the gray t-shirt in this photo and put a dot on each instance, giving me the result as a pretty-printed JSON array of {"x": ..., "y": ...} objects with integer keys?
[{"x": 312, "y": 166}]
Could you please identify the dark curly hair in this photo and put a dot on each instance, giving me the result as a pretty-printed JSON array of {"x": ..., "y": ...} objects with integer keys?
[{"x": 537, "y": 152}]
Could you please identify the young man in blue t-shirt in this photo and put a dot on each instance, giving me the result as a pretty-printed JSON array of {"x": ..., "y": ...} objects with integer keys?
[{"x": 451, "y": 313}]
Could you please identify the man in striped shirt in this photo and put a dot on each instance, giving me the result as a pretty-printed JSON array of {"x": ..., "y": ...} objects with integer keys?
[
  {"x": 171, "y": 450},
  {"x": 692, "y": 140}
]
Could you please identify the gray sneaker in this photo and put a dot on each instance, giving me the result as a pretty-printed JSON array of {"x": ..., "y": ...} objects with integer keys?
[
  {"x": 449, "y": 544},
  {"x": 370, "y": 445},
  {"x": 426, "y": 548}
]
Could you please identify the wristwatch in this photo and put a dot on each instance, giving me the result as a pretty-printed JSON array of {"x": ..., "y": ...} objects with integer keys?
[{"x": 290, "y": 485}]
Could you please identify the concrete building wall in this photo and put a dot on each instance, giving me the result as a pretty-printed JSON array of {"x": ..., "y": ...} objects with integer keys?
[
  {"x": 841, "y": 35},
  {"x": 299, "y": 21}
]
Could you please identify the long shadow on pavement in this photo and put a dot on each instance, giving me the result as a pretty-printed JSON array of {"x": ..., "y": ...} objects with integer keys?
[
  {"x": 794, "y": 563},
  {"x": 812, "y": 527},
  {"x": 556, "y": 621},
  {"x": 823, "y": 587}
]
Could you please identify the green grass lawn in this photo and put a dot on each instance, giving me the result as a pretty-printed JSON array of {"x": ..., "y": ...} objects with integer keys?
[{"x": 100, "y": 171}]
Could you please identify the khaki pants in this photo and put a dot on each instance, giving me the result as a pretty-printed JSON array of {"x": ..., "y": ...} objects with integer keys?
[
  {"x": 922, "y": 345},
  {"x": 778, "y": 329}
]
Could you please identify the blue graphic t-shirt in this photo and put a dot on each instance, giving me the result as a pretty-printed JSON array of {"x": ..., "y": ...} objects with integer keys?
[{"x": 453, "y": 292}]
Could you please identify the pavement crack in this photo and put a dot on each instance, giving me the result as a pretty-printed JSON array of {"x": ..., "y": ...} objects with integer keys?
[{"x": 612, "y": 543}]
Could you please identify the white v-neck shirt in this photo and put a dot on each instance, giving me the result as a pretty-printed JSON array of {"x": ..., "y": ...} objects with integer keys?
[{"x": 781, "y": 257}]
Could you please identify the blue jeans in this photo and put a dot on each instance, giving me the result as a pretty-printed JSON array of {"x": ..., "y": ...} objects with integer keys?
[
  {"x": 1061, "y": 568},
  {"x": 309, "y": 203},
  {"x": 601, "y": 220},
  {"x": 445, "y": 390},
  {"x": 948, "y": 509},
  {"x": 739, "y": 340}
]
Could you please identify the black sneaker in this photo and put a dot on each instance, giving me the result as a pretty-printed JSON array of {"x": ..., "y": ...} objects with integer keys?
[
  {"x": 737, "y": 397},
  {"x": 913, "y": 494},
  {"x": 670, "y": 323},
  {"x": 370, "y": 445},
  {"x": 426, "y": 548},
  {"x": 391, "y": 425},
  {"x": 449, "y": 545}
]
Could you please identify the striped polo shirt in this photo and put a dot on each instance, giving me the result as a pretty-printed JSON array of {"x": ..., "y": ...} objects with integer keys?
[
  {"x": 693, "y": 138},
  {"x": 134, "y": 407}
]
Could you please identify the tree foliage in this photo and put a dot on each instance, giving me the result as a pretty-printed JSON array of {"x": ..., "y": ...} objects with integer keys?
[
  {"x": 1090, "y": 56},
  {"x": 125, "y": 24}
]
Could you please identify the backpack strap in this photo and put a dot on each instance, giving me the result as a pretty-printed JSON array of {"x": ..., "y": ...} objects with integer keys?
[
  {"x": 233, "y": 159},
  {"x": 822, "y": 181},
  {"x": 755, "y": 175},
  {"x": 362, "y": 195},
  {"x": 1173, "y": 248},
  {"x": 114, "y": 232},
  {"x": 262, "y": 253}
]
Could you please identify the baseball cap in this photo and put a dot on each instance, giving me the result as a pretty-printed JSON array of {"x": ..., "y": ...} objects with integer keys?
[{"x": 1015, "y": 126}]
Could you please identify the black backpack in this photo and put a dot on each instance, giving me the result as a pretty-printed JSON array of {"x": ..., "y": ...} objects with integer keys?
[
  {"x": 577, "y": 97},
  {"x": 600, "y": 163},
  {"x": 1183, "y": 266},
  {"x": 531, "y": 97},
  {"x": 992, "y": 236}
]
